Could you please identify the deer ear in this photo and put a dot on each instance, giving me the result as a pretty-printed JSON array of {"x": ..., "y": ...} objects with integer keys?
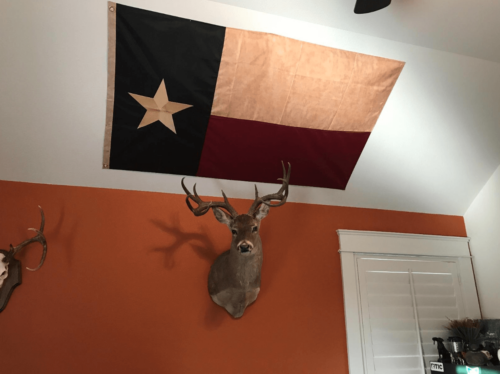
[
  {"x": 223, "y": 217},
  {"x": 262, "y": 212}
]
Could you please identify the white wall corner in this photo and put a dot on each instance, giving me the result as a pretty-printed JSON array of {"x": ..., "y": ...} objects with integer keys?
[{"x": 482, "y": 221}]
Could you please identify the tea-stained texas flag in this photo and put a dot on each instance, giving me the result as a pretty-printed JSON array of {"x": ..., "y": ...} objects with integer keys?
[{"x": 190, "y": 98}]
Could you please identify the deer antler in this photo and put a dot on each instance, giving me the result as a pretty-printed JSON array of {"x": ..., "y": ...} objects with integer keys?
[
  {"x": 204, "y": 207},
  {"x": 281, "y": 195},
  {"x": 40, "y": 238}
]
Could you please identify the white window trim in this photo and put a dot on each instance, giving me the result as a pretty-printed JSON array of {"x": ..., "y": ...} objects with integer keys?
[{"x": 354, "y": 243}]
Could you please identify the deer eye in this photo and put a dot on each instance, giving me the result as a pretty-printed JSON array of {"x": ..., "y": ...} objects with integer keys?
[
  {"x": 234, "y": 232},
  {"x": 254, "y": 229}
]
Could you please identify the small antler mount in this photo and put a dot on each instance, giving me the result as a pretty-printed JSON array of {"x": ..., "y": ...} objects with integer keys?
[{"x": 10, "y": 267}]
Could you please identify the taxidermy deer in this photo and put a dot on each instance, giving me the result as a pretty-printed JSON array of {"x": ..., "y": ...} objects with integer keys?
[
  {"x": 234, "y": 278},
  {"x": 10, "y": 274}
]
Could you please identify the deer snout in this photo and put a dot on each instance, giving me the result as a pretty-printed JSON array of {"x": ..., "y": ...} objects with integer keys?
[{"x": 245, "y": 247}]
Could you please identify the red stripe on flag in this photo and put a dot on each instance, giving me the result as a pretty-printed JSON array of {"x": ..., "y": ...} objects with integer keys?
[{"x": 252, "y": 151}]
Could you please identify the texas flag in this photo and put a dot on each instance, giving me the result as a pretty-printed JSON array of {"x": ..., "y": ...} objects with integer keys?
[{"x": 191, "y": 98}]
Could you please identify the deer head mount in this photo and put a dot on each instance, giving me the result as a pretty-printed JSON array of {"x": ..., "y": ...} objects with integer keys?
[
  {"x": 10, "y": 267},
  {"x": 234, "y": 278}
]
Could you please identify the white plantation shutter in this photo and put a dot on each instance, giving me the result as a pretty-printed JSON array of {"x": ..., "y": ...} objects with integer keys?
[
  {"x": 399, "y": 291},
  {"x": 400, "y": 320}
]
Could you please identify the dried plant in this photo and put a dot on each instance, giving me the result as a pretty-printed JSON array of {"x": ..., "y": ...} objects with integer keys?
[{"x": 469, "y": 330}]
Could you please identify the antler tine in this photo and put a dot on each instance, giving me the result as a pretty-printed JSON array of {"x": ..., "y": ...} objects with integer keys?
[
  {"x": 184, "y": 187},
  {"x": 204, "y": 206},
  {"x": 195, "y": 193},
  {"x": 40, "y": 238},
  {"x": 228, "y": 206},
  {"x": 285, "y": 179},
  {"x": 281, "y": 195},
  {"x": 42, "y": 224}
]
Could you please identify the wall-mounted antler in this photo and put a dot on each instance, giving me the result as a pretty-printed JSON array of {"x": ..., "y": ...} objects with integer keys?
[
  {"x": 281, "y": 195},
  {"x": 10, "y": 267},
  {"x": 204, "y": 207},
  {"x": 40, "y": 238}
]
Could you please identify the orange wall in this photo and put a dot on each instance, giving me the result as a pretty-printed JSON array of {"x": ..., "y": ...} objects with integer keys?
[{"x": 124, "y": 286}]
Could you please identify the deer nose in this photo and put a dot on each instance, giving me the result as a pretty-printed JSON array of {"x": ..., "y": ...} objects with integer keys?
[{"x": 245, "y": 247}]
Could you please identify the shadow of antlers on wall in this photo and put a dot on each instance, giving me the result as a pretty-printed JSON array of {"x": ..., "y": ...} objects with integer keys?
[
  {"x": 199, "y": 242},
  {"x": 203, "y": 246}
]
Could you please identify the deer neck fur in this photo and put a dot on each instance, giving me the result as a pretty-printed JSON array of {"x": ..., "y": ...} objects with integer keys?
[{"x": 246, "y": 268}]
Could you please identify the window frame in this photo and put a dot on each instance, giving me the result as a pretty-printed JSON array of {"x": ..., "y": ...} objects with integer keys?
[{"x": 354, "y": 242}]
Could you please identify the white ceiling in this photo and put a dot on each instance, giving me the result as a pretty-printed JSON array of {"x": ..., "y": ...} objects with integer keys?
[
  {"x": 434, "y": 147},
  {"x": 470, "y": 28}
]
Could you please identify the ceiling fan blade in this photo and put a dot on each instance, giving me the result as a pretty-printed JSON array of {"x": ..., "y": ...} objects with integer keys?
[{"x": 368, "y": 6}]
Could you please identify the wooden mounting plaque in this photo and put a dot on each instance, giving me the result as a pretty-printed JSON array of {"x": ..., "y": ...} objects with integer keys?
[{"x": 12, "y": 281}]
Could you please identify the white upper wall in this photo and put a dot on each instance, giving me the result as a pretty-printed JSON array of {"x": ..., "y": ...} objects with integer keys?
[
  {"x": 433, "y": 148},
  {"x": 469, "y": 28},
  {"x": 483, "y": 227}
]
